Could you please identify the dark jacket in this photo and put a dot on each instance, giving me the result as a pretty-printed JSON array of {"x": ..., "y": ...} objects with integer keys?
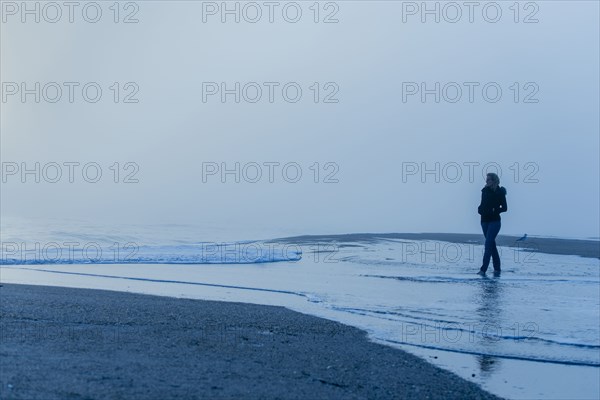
[{"x": 492, "y": 204}]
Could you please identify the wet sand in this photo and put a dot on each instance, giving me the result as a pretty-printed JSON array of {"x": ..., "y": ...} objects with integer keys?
[{"x": 65, "y": 343}]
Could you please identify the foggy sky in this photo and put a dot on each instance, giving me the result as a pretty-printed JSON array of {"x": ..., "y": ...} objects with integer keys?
[{"x": 548, "y": 150}]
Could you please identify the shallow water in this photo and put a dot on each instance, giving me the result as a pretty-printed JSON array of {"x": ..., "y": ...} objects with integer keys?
[{"x": 541, "y": 314}]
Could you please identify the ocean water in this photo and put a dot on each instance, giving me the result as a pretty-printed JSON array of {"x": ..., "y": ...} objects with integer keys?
[{"x": 541, "y": 316}]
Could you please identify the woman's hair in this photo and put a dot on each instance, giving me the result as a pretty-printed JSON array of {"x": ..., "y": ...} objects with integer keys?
[{"x": 494, "y": 177}]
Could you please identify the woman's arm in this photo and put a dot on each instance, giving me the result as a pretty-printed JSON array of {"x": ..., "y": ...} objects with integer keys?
[
  {"x": 480, "y": 208},
  {"x": 503, "y": 205}
]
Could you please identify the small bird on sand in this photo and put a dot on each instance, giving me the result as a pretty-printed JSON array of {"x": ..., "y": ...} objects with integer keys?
[{"x": 521, "y": 239}]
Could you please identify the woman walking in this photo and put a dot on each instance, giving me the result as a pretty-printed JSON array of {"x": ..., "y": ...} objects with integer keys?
[{"x": 493, "y": 202}]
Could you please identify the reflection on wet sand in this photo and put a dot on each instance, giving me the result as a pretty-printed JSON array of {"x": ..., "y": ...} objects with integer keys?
[{"x": 489, "y": 310}]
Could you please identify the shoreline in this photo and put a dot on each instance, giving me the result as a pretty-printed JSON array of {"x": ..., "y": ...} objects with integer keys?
[
  {"x": 510, "y": 382},
  {"x": 576, "y": 247},
  {"x": 104, "y": 344}
]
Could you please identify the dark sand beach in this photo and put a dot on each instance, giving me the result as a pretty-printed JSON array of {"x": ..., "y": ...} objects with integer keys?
[{"x": 65, "y": 343}]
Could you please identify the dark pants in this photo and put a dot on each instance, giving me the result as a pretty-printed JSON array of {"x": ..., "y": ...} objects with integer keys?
[{"x": 490, "y": 231}]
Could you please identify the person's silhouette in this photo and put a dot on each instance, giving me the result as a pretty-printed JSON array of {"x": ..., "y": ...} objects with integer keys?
[{"x": 493, "y": 202}]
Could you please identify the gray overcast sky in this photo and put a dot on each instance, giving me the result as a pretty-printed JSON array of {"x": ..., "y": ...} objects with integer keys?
[{"x": 370, "y": 61}]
